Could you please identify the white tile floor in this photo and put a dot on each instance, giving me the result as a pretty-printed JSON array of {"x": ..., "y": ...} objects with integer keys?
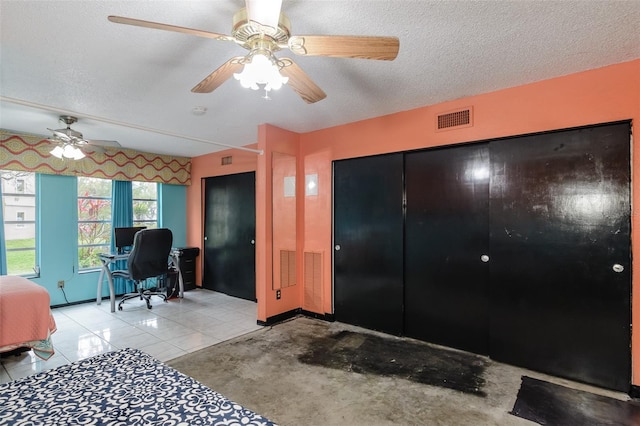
[{"x": 168, "y": 330}]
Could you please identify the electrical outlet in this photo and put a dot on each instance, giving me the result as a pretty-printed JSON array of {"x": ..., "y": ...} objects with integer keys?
[
  {"x": 278, "y": 294},
  {"x": 61, "y": 284}
]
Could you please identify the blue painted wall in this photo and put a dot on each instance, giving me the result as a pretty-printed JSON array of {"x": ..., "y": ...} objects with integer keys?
[
  {"x": 173, "y": 213},
  {"x": 58, "y": 236}
]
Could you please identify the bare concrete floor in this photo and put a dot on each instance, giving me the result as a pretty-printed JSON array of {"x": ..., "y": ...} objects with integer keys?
[{"x": 311, "y": 372}]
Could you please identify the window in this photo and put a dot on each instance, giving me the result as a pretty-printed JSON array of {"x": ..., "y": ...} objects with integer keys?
[
  {"x": 19, "y": 214},
  {"x": 145, "y": 204},
  {"x": 20, "y": 219},
  {"x": 94, "y": 220}
]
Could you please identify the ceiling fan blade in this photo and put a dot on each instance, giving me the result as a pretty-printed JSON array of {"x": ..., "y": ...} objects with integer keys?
[
  {"x": 219, "y": 76},
  {"x": 107, "y": 144},
  {"x": 264, "y": 12},
  {"x": 302, "y": 84},
  {"x": 60, "y": 135},
  {"x": 167, "y": 27},
  {"x": 93, "y": 148},
  {"x": 363, "y": 47}
]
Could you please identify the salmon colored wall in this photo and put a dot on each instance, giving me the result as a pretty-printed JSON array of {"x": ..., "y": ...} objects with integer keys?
[
  {"x": 607, "y": 94},
  {"x": 316, "y": 214},
  {"x": 271, "y": 139},
  {"x": 284, "y": 166},
  {"x": 209, "y": 166}
]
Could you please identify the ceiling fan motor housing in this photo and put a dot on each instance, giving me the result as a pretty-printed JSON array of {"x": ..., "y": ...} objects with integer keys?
[
  {"x": 69, "y": 120},
  {"x": 246, "y": 32}
]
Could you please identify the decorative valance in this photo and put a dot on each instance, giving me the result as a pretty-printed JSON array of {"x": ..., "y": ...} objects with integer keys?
[{"x": 21, "y": 151}]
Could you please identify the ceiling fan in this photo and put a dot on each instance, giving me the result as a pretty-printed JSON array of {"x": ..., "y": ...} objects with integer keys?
[
  {"x": 262, "y": 29},
  {"x": 70, "y": 143}
]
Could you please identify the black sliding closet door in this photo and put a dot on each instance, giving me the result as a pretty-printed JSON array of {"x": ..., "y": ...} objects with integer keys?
[
  {"x": 560, "y": 255},
  {"x": 229, "y": 230},
  {"x": 368, "y": 241},
  {"x": 446, "y": 237}
]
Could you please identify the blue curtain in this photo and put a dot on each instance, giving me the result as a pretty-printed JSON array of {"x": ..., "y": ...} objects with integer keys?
[
  {"x": 3, "y": 248},
  {"x": 121, "y": 216}
]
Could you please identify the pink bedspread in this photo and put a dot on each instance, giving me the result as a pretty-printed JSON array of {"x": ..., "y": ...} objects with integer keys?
[{"x": 25, "y": 316}]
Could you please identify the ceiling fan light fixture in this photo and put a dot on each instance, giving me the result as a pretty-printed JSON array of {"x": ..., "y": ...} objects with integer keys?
[
  {"x": 261, "y": 70},
  {"x": 73, "y": 152},
  {"x": 68, "y": 141},
  {"x": 57, "y": 152},
  {"x": 67, "y": 151}
]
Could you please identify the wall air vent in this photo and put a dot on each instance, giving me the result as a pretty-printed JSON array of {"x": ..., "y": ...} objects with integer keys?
[
  {"x": 226, "y": 160},
  {"x": 287, "y": 268},
  {"x": 454, "y": 119},
  {"x": 312, "y": 281}
]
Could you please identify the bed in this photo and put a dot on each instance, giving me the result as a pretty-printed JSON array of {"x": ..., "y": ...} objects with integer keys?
[
  {"x": 122, "y": 387},
  {"x": 26, "y": 320}
]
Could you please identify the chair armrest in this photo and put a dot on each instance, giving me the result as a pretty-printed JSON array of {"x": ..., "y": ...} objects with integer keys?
[{"x": 120, "y": 273}]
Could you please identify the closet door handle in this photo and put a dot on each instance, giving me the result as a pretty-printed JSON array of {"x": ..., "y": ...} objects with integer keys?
[
  {"x": 484, "y": 258},
  {"x": 337, "y": 247},
  {"x": 617, "y": 268}
]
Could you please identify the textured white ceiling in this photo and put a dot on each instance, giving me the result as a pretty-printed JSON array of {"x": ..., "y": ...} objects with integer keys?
[{"x": 65, "y": 56}]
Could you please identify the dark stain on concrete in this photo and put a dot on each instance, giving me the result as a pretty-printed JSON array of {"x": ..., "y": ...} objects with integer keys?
[{"x": 415, "y": 361}]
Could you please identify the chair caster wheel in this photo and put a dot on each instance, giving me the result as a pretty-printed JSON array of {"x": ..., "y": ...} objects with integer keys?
[{"x": 119, "y": 308}]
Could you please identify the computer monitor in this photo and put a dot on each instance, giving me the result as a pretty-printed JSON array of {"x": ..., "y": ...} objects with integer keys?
[{"x": 124, "y": 237}]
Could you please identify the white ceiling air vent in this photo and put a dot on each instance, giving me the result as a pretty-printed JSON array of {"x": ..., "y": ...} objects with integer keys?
[{"x": 454, "y": 119}]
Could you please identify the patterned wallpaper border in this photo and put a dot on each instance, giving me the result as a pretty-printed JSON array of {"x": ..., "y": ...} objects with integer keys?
[{"x": 21, "y": 151}]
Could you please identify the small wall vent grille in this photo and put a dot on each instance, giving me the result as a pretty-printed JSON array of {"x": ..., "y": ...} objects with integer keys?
[
  {"x": 312, "y": 281},
  {"x": 226, "y": 160},
  {"x": 287, "y": 268},
  {"x": 455, "y": 119}
]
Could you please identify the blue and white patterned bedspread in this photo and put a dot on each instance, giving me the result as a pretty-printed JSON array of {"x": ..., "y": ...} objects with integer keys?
[{"x": 118, "y": 388}]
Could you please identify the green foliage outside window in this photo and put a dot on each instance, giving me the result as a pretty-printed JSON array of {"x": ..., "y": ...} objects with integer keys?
[
  {"x": 94, "y": 215},
  {"x": 21, "y": 257},
  {"x": 94, "y": 220},
  {"x": 145, "y": 204}
]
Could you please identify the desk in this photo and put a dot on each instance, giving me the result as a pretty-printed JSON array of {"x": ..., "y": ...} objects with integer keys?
[{"x": 108, "y": 258}]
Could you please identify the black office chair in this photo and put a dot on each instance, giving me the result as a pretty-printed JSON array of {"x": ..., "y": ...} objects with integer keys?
[{"x": 149, "y": 258}]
